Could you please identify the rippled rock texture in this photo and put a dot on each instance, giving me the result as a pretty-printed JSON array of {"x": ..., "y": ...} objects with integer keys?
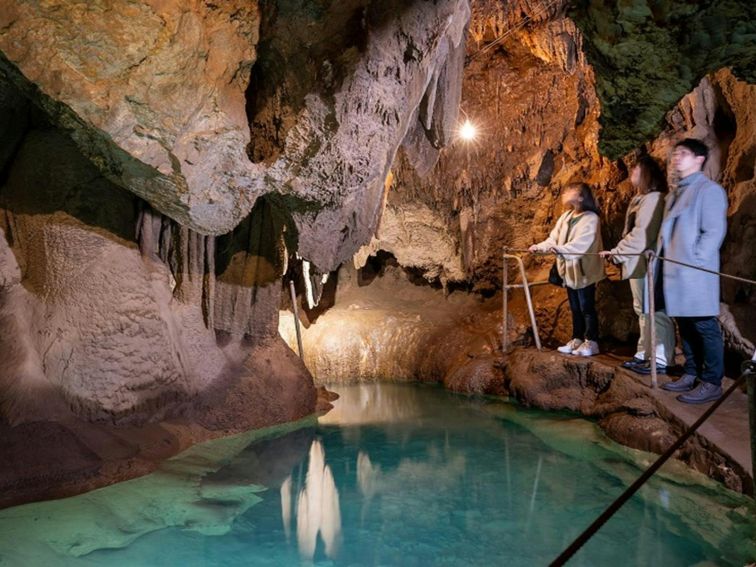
[
  {"x": 161, "y": 165},
  {"x": 164, "y": 165}
]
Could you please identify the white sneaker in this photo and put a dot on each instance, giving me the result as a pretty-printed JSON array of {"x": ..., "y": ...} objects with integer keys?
[
  {"x": 588, "y": 348},
  {"x": 570, "y": 347}
]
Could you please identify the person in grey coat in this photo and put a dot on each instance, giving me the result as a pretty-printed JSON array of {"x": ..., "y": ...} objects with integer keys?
[{"x": 694, "y": 226}]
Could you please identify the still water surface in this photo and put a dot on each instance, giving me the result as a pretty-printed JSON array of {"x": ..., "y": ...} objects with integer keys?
[{"x": 394, "y": 475}]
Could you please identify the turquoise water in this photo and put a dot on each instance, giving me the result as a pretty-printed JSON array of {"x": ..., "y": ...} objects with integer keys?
[{"x": 395, "y": 475}]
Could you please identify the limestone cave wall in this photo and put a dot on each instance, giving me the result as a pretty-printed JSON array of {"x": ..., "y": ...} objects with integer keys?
[{"x": 164, "y": 165}]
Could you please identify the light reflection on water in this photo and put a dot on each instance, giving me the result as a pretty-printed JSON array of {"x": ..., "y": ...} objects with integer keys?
[
  {"x": 395, "y": 475},
  {"x": 317, "y": 507}
]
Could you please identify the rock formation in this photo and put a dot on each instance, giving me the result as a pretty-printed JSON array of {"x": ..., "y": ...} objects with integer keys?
[
  {"x": 164, "y": 165},
  {"x": 648, "y": 55},
  {"x": 152, "y": 92},
  {"x": 154, "y": 191},
  {"x": 165, "y": 118}
]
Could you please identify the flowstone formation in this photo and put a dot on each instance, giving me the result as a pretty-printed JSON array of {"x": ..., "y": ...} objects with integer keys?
[{"x": 163, "y": 164}]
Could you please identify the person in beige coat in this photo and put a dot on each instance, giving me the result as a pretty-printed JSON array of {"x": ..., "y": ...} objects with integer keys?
[
  {"x": 576, "y": 233},
  {"x": 642, "y": 222}
]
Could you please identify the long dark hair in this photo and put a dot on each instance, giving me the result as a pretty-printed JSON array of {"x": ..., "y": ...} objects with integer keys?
[
  {"x": 652, "y": 176},
  {"x": 588, "y": 203}
]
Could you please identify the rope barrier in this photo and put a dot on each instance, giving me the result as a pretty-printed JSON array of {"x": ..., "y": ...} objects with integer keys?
[
  {"x": 653, "y": 255},
  {"x": 748, "y": 370},
  {"x": 625, "y": 496}
]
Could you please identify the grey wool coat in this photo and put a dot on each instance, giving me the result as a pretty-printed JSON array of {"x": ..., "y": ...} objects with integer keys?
[{"x": 694, "y": 226}]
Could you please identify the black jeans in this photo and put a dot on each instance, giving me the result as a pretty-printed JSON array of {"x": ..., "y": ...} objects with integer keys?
[
  {"x": 584, "y": 316},
  {"x": 703, "y": 347}
]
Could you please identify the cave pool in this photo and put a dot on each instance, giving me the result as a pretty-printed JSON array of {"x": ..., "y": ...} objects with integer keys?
[{"x": 395, "y": 474}]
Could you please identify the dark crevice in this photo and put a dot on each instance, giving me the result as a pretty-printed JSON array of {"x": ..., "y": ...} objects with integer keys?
[
  {"x": 322, "y": 42},
  {"x": 724, "y": 125}
]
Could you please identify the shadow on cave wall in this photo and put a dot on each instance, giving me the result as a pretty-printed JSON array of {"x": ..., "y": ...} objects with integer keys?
[
  {"x": 43, "y": 172},
  {"x": 255, "y": 252},
  {"x": 322, "y": 41}
]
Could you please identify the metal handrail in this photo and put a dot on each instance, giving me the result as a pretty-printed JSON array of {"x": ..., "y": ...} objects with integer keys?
[
  {"x": 505, "y": 306},
  {"x": 663, "y": 258},
  {"x": 650, "y": 321}
]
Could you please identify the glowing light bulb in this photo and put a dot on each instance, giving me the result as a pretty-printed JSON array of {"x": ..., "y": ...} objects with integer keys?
[{"x": 468, "y": 131}]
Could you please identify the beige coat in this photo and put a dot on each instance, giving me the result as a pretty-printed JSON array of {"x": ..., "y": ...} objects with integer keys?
[
  {"x": 642, "y": 222},
  {"x": 577, "y": 271}
]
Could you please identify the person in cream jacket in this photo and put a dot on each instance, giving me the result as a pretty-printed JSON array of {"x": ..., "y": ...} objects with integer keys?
[{"x": 578, "y": 232}]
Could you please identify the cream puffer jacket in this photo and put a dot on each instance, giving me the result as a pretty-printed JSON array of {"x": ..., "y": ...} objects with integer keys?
[{"x": 577, "y": 271}]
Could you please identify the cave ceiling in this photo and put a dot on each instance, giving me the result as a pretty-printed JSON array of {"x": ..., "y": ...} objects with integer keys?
[{"x": 647, "y": 55}]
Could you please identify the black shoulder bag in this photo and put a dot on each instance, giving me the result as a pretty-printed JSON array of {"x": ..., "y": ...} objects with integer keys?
[{"x": 554, "y": 277}]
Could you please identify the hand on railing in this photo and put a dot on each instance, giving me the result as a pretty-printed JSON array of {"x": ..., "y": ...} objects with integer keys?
[{"x": 534, "y": 249}]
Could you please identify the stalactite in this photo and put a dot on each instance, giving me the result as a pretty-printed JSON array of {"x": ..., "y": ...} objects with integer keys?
[
  {"x": 250, "y": 262},
  {"x": 188, "y": 255},
  {"x": 208, "y": 283}
]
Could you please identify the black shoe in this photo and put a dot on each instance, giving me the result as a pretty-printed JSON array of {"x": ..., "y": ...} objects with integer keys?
[
  {"x": 645, "y": 368},
  {"x": 683, "y": 384},
  {"x": 632, "y": 363},
  {"x": 705, "y": 392}
]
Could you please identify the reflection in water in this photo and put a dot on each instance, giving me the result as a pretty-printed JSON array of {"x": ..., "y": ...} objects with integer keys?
[
  {"x": 413, "y": 476},
  {"x": 286, "y": 506},
  {"x": 533, "y": 494},
  {"x": 317, "y": 507},
  {"x": 367, "y": 475},
  {"x": 370, "y": 404}
]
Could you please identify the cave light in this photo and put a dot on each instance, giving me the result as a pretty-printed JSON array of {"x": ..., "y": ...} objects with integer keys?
[{"x": 468, "y": 131}]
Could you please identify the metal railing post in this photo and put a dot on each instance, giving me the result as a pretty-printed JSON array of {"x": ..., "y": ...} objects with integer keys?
[
  {"x": 296, "y": 318},
  {"x": 505, "y": 307},
  {"x": 749, "y": 369},
  {"x": 505, "y": 301},
  {"x": 651, "y": 319},
  {"x": 529, "y": 299}
]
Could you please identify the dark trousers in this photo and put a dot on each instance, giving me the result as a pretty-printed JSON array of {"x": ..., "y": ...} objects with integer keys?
[
  {"x": 584, "y": 316},
  {"x": 703, "y": 347}
]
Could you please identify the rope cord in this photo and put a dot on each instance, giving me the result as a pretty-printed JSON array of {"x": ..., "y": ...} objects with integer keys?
[
  {"x": 633, "y": 488},
  {"x": 663, "y": 258}
]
